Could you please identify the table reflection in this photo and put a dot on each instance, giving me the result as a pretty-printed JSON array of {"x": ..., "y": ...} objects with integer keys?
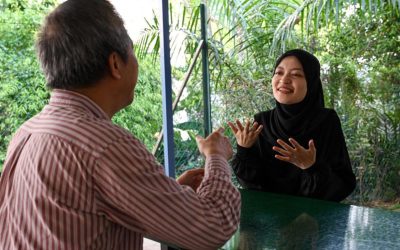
[{"x": 272, "y": 221}]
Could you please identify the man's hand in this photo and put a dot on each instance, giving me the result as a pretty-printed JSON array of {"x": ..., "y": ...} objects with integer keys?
[
  {"x": 296, "y": 154},
  {"x": 245, "y": 136},
  {"x": 215, "y": 143},
  {"x": 191, "y": 178}
]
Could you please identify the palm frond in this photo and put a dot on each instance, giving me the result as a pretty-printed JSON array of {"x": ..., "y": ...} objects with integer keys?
[{"x": 310, "y": 13}]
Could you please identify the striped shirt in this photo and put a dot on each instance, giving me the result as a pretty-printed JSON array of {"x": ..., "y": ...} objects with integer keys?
[{"x": 74, "y": 180}]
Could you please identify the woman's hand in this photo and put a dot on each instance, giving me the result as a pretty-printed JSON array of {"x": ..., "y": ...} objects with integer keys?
[
  {"x": 296, "y": 154},
  {"x": 192, "y": 178},
  {"x": 245, "y": 136}
]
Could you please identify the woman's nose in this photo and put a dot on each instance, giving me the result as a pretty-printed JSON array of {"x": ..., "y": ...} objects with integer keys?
[{"x": 284, "y": 79}]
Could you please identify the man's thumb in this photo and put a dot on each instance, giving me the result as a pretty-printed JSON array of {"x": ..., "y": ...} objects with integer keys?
[
  {"x": 199, "y": 138},
  {"x": 221, "y": 130}
]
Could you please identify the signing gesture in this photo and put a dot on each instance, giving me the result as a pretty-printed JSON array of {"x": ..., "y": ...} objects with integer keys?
[
  {"x": 215, "y": 143},
  {"x": 296, "y": 154},
  {"x": 245, "y": 136}
]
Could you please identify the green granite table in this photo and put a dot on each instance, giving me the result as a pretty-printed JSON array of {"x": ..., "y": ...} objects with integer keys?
[{"x": 272, "y": 221}]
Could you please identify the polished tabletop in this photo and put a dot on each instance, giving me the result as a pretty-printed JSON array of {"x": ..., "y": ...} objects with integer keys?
[{"x": 273, "y": 221}]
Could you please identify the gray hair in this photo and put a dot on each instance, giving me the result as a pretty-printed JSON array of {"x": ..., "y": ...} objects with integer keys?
[{"x": 76, "y": 40}]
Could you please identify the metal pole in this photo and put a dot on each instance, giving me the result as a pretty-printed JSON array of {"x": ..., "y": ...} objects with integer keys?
[
  {"x": 178, "y": 97},
  {"x": 206, "y": 77},
  {"x": 169, "y": 161}
]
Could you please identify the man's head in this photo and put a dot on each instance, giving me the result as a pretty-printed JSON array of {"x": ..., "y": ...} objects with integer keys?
[{"x": 76, "y": 41}]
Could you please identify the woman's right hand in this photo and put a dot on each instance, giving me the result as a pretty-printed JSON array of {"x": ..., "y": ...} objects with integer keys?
[{"x": 245, "y": 136}]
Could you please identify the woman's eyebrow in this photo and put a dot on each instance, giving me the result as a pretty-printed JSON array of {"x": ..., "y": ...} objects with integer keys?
[{"x": 280, "y": 67}]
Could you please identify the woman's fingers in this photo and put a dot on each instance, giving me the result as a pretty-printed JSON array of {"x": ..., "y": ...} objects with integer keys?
[
  {"x": 247, "y": 125},
  {"x": 294, "y": 143},
  {"x": 282, "y": 151},
  {"x": 246, "y": 134},
  {"x": 233, "y": 127},
  {"x": 311, "y": 146},
  {"x": 258, "y": 129},
  {"x": 240, "y": 126},
  {"x": 284, "y": 145},
  {"x": 312, "y": 149},
  {"x": 282, "y": 158},
  {"x": 296, "y": 154}
]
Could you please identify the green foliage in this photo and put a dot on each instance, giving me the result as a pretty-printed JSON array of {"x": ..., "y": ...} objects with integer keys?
[
  {"x": 22, "y": 89},
  {"x": 363, "y": 86},
  {"x": 311, "y": 16}
]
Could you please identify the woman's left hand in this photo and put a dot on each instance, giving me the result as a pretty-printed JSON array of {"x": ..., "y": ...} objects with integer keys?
[{"x": 296, "y": 154}]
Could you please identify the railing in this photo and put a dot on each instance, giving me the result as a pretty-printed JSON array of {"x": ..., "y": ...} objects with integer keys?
[
  {"x": 202, "y": 47},
  {"x": 178, "y": 96}
]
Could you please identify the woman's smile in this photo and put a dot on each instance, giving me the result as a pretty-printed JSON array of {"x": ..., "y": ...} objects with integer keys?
[{"x": 285, "y": 90}]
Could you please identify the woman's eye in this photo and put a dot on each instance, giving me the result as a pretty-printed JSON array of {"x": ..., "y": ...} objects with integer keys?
[{"x": 278, "y": 73}]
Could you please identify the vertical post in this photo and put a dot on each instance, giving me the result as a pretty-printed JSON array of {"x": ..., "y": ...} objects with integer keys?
[
  {"x": 169, "y": 161},
  {"x": 206, "y": 77}
]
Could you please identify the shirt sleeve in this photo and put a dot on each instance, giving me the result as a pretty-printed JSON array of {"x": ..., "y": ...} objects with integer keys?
[
  {"x": 134, "y": 192},
  {"x": 247, "y": 166}
]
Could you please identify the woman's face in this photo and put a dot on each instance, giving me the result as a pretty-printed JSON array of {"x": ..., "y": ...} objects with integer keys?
[{"x": 289, "y": 84}]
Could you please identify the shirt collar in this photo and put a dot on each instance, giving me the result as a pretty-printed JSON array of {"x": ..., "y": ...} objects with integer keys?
[{"x": 61, "y": 97}]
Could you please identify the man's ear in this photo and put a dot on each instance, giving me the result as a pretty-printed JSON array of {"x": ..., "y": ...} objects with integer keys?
[{"x": 115, "y": 65}]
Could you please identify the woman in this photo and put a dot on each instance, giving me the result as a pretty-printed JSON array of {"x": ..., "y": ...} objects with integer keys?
[{"x": 297, "y": 148}]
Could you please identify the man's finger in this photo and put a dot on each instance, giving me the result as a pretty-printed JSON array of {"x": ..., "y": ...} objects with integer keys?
[
  {"x": 220, "y": 130},
  {"x": 193, "y": 170},
  {"x": 196, "y": 171},
  {"x": 199, "y": 139}
]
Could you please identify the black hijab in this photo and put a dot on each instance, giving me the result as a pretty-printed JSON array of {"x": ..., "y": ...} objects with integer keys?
[{"x": 300, "y": 119}]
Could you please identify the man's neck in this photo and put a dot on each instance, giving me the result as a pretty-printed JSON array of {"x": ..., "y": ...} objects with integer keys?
[{"x": 100, "y": 95}]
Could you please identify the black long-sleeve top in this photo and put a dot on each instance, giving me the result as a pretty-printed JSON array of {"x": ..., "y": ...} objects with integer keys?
[{"x": 330, "y": 178}]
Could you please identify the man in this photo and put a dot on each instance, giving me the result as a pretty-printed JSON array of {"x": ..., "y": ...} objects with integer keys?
[{"x": 74, "y": 180}]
